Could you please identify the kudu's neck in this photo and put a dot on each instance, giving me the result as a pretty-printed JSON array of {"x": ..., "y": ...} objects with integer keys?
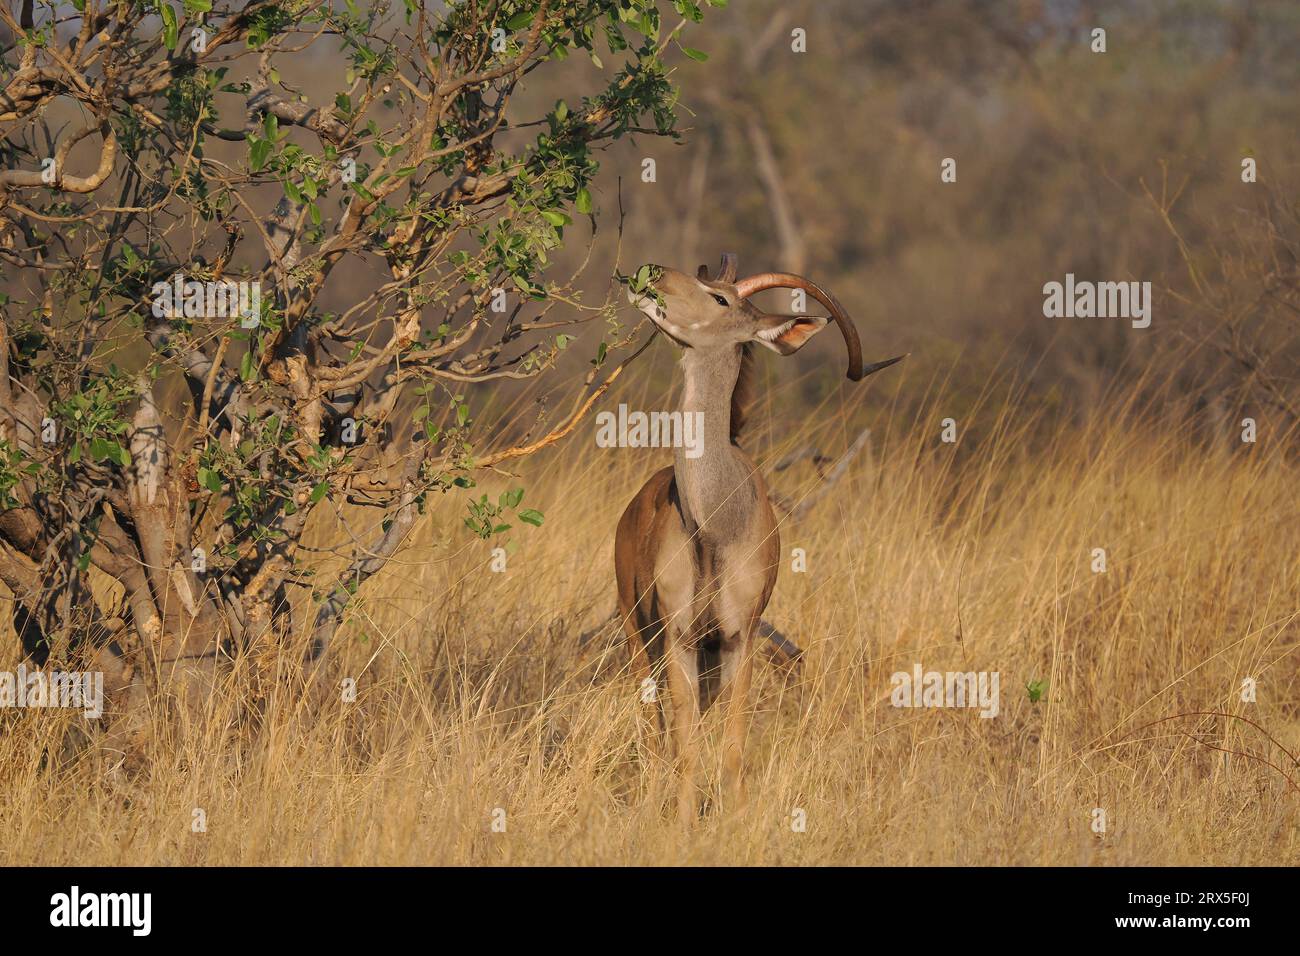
[
  {"x": 714, "y": 485},
  {"x": 710, "y": 380}
]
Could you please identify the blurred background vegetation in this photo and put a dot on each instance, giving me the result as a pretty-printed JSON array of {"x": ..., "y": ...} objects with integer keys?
[{"x": 1117, "y": 166}]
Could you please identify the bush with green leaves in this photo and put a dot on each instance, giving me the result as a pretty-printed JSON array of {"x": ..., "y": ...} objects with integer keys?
[{"x": 180, "y": 390}]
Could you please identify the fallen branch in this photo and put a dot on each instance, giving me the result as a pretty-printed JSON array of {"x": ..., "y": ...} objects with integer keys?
[
  {"x": 796, "y": 510},
  {"x": 784, "y": 649}
]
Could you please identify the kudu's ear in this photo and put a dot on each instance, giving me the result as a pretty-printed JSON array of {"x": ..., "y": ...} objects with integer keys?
[{"x": 786, "y": 334}]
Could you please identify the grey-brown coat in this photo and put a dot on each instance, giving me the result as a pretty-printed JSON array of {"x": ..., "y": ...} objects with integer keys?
[{"x": 697, "y": 550}]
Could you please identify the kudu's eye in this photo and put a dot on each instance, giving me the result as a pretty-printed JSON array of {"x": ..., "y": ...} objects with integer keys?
[{"x": 720, "y": 300}]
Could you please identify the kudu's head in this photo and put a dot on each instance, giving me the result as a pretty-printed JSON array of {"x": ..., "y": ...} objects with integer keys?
[{"x": 706, "y": 313}]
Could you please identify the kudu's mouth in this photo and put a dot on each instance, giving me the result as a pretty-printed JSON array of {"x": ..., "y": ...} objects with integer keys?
[
  {"x": 648, "y": 305},
  {"x": 644, "y": 302}
]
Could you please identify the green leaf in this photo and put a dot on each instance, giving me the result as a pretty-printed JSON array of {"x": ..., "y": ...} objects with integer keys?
[
  {"x": 520, "y": 20},
  {"x": 555, "y": 218},
  {"x": 462, "y": 415},
  {"x": 319, "y": 492},
  {"x": 583, "y": 203},
  {"x": 171, "y": 32},
  {"x": 99, "y": 449},
  {"x": 209, "y": 479},
  {"x": 532, "y": 517},
  {"x": 258, "y": 151},
  {"x": 698, "y": 55}
]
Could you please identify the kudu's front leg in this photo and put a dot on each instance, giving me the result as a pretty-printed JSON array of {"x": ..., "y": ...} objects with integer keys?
[
  {"x": 684, "y": 696},
  {"x": 737, "y": 675}
]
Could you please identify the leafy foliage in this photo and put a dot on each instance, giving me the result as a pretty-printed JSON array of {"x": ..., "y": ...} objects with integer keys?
[{"x": 377, "y": 218}]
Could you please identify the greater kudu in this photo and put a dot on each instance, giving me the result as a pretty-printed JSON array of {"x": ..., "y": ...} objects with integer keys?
[{"x": 697, "y": 550}]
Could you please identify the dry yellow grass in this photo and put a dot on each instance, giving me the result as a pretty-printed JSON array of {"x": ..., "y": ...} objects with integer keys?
[{"x": 473, "y": 693}]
